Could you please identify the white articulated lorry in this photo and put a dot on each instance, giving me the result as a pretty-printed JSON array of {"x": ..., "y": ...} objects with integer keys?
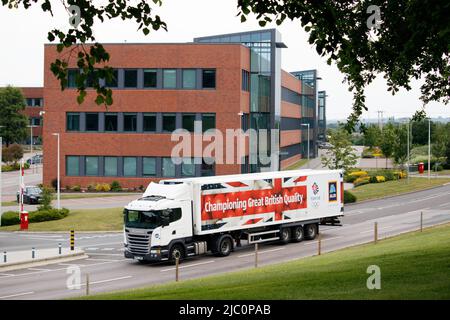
[{"x": 186, "y": 217}]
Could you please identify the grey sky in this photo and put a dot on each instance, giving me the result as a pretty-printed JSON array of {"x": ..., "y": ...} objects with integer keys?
[{"x": 23, "y": 33}]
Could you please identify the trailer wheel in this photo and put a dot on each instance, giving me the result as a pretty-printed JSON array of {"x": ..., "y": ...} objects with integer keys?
[
  {"x": 311, "y": 231},
  {"x": 297, "y": 234},
  {"x": 285, "y": 235},
  {"x": 176, "y": 251},
  {"x": 223, "y": 246}
]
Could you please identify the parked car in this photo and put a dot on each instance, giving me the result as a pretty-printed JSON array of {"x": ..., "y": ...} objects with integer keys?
[
  {"x": 324, "y": 145},
  {"x": 36, "y": 159},
  {"x": 31, "y": 195}
]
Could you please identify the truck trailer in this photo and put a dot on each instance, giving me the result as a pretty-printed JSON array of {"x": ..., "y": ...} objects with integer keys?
[{"x": 179, "y": 218}]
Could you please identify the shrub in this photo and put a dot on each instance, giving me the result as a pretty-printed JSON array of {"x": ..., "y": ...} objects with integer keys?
[
  {"x": 373, "y": 179},
  {"x": 361, "y": 181},
  {"x": 380, "y": 179},
  {"x": 399, "y": 175},
  {"x": 14, "y": 167},
  {"x": 349, "y": 178},
  {"x": 102, "y": 187},
  {"x": 115, "y": 186},
  {"x": 46, "y": 198},
  {"x": 358, "y": 174},
  {"x": 349, "y": 197},
  {"x": 10, "y": 218},
  {"x": 91, "y": 187},
  {"x": 75, "y": 188}
]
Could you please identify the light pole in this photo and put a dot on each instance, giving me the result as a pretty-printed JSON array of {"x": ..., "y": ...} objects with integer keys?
[
  {"x": 58, "y": 192},
  {"x": 307, "y": 125}
]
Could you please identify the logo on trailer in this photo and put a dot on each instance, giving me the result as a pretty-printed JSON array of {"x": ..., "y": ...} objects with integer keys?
[
  {"x": 315, "y": 188},
  {"x": 332, "y": 191}
]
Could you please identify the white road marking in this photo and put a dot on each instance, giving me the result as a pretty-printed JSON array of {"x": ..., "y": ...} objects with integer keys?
[
  {"x": 38, "y": 269},
  {"x": 315, "y": 242},
  {"x": 379, "y": 229},
  {"x": 71, "y": 264},
  {"x": 91, "y": 249},
  {"x": 259, "y": 252},
  {"x": 188, "y": 266},
  {"x": 7, "y": 275},
  {"x": 107, "y": 280},
  {"x": 17, "y": 295},
  {"x": 107, "y": 249}
]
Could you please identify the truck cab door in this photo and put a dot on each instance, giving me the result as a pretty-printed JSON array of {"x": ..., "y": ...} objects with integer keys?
[{"x": 178, "y": 223}]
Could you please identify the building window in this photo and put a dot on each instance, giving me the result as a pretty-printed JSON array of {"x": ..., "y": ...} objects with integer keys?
[
  {"x": 130, "y": 122},
  {"x": 111, "y": 122},
  {"x": 150, "y": 77},
  {"x": 72, "y": 166},
  {"x": 38, "y": 102},
  {"x": 110, "y": 166},
  {"x": 169, "y": 78},
  {"x": 73, "y": 122},
  {"x": 30, "y": 102},
  {"x": 209, "y": 79},
  {"x": 207, "y": 168},
  {"x": 245, "y": 80},
  {"x": 149, "y": 122},
  {"x": 35, "y": 121},
  {"x": 169, "y": 122},
  {"x": 91, "y": 121},
  {"x": 130, "y": 78},
  {"x": 168, "y": 167},
  {"x": 91, "y": 166},
  {"x": 149, "y": 166},
  {"x": 72, "y": 78},
  {"x": 114, "y": 81},
  {"x": 189, "y": 78},
  {"x": 188, "y": 122},
  {"x": 130, "y": 166},
  {"x": 188, "y": 167},
  {"x": 208, "y": 121}
]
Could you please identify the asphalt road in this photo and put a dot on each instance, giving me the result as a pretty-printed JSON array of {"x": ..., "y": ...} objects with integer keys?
[{"x": 109, "y": 271}]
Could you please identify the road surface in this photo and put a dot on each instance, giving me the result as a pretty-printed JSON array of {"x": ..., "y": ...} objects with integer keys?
[{"x": 109, "y": 271}]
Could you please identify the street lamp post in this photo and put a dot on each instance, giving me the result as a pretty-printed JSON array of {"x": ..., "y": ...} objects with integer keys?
[
  {"x": 31, "y": 145},
  {"x": 429, "y": 148},
  {"x": 1, "y": 185},
  {"x": 58, "y": 174},
  {"x": 307, "y": 125}
]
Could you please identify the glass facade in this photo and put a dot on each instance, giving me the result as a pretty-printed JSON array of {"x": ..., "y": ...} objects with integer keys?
[
  {"x": 73, "y": 166},
  {"x": 110, "y": 166},
  {"x": 129, "y": 166},
  {"x": 91, "y": 164},
  {"x": 189, "y": 78},
  {"x": 168, "y": 167},
  {"x": 148, "y": 167},
  {"x": 169, "y": 78}
]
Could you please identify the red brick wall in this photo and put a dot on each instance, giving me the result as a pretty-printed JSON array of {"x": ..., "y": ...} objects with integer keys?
[
  {"x": 33, "y": 112},
  {"x": 226, "y": 101}
]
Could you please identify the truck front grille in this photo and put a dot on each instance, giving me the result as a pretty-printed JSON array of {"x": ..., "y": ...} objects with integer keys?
[{"x": 139, "y": 243}]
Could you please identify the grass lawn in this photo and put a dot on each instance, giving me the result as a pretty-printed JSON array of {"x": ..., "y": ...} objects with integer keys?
[
  {"x": 80, "y": 220},
  {"x": 441, "y": 173},
  {"x": 390, "y": 188},
  {"x": 94, "y": 195},
  {"x": 413, "y": 266},
  {"x": 9, "y": 203},
  {"x": 297, "y": 164}
]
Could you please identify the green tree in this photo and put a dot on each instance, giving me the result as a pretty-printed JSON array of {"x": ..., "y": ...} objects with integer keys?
[
  {"x": 419, "y": 131},
  {"x": 401, "y": 146},
  {"x": 408, "y": 41},
  {"x": 13, "y": 124},
  {"x": 441, "y": 138},
  {"x": 46, "y": 198},
  {"x": 372, "y": 136},
  {"x": 388, "y": 141},
  {"x": 341, "y": 154}
]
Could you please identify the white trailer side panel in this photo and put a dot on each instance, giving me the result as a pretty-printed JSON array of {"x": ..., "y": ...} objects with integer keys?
[{"x": 264, "y": 199}]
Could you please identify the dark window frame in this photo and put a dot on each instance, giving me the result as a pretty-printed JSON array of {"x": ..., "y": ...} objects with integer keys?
[
  {"x": 126, "y": 114},
  {"x": 98, "y": 121},
  {"x": 204, "y": 79},
  {"x": 174, "y": 118},
  {"x": 148, "y": 71},
  {"x": 125, "y": 78}
]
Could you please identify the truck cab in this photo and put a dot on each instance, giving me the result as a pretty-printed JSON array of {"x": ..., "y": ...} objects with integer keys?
[{"x": 158, "y": 223}]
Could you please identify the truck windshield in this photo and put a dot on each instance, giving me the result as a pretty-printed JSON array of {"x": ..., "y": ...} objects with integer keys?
[
  {"x": 143, "y": 219},
  {"x": 149, "y": 219}
]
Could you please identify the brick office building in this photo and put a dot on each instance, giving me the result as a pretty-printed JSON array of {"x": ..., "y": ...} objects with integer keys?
[{"x": 225, "y": 82}]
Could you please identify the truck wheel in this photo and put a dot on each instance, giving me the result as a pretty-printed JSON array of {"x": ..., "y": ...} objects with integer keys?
[
  {"x": 285, "y": 235},
  {"x": 310, "y": 231},
  {"x": 223, "y": 246},
  {"x": 297, "y": 234},
  {"x": 176, "y": 251}
]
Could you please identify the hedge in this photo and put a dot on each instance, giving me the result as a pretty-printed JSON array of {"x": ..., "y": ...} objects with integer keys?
[
  {"x": 349, "y": 197},
  {"x": 10, "y": 218}
]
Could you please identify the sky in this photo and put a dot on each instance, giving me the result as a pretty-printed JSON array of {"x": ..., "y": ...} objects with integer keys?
[{"x": 24, "y": 32}]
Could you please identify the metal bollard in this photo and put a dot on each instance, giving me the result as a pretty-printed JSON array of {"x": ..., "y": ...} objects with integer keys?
[
  {"x": 72, "y": 240},
  {"x": 177, "y": 263},
  {"x": 59, "y": 248},
  {"x": 256, "y": 255},
  {"x": 4, "y": 256},
  {"x": 33, "y": 253}
]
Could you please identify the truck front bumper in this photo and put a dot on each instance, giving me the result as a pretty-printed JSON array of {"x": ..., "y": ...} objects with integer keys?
[{"x": 154, "y": 255}]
